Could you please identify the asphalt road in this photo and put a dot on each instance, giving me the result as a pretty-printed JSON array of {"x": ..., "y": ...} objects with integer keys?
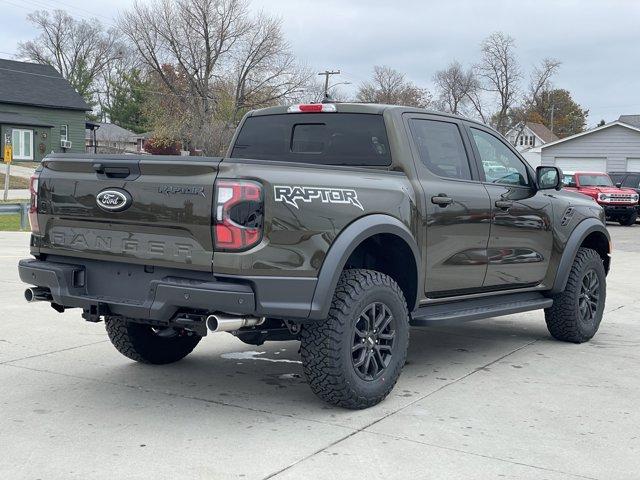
[{"x": 492, "y": 399}]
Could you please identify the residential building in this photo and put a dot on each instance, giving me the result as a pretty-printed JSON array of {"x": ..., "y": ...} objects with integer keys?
[
  {"x": 528, "y": 138},
  {"x": 611, "y": 147},
  {"x": 112, "y": 138},
  {"x": 40, "y": 112}
]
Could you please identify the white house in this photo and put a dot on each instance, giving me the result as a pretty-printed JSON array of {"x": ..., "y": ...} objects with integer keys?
[
  {"x": 111, "y": 138},
  {"x": 529, "y": 138},
  {"x": 611, "y": 147}
]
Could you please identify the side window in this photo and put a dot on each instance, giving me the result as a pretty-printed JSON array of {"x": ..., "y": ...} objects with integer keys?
[
  {"x": 441, "y": 149},
  {"x": 569, "y": 181},
  {"x": 500, "y": 164},
  {"x": 632, "y": 181}
]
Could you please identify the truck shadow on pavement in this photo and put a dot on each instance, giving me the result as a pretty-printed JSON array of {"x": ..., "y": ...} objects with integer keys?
[{"x": 270, "y": 376}]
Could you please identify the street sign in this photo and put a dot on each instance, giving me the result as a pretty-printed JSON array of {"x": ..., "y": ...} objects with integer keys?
[{"x": 8, "y": 153}]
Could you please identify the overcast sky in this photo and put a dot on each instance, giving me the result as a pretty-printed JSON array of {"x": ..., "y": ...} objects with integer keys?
[{"x": 598, "y": 41}]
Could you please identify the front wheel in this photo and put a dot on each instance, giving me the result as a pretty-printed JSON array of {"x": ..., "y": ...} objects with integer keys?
[
  {"x": 629, "y": 220},
  {"x": 354, "y": 357},
  {"x": 576, "y": 312},
  {"x": 147, "y": 344}
]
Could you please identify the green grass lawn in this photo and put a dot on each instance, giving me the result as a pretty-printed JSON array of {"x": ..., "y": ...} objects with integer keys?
[
  {"x": 10, "y": 223},
  {"x": 15, "y": 183}
]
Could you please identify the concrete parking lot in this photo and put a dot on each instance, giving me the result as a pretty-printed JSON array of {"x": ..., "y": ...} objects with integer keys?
[{"x": 491, "y": 399}]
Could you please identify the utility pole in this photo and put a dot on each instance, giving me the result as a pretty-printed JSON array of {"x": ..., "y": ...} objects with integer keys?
[
  {"x": 553, "y": 108},
  {"x": 327, "y": 74}
]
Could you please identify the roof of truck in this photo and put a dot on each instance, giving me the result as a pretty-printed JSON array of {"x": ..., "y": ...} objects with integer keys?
[{"x": 371, "y": 108}]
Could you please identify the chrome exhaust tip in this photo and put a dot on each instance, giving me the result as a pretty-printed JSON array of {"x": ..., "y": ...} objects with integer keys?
[
  {"x": 227, "y": 323},
  {"x": 37, "y": 294}
]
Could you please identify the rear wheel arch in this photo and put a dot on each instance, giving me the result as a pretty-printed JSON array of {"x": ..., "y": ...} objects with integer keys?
[{"x": 361, "y": 245}]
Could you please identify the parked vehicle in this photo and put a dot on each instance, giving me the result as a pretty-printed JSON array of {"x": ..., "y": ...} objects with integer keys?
[
  {"x": 620, "y": 204},
  {"x": 626, "y": 179},
  {"x": 335, "y": 225}
]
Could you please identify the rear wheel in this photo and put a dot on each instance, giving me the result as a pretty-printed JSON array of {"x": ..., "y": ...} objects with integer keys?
[
  {"x": 628, "y": 220},
  {"x": 147, "y": 344},
  {"x": 576, "y": 312},
  {"x": 354, "y": 358}
]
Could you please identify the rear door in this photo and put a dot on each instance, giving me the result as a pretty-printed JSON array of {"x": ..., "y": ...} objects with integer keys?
[
  {"x": 457, "y": 206},
  {"x": 521, "y": 238},
  {"x": 146, "y": 210}
]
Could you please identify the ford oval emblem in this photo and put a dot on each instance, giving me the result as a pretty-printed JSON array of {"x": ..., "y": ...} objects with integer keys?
[{"x": 113, "y": 200}]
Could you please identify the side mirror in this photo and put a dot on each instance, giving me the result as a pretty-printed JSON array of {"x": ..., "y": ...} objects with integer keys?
[
  {"x": 549, "y": 178},
  {"x": 619, "y": 184}
]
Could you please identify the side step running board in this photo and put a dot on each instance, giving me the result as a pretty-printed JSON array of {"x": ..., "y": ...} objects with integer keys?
[{"x": 479, "y": 308}]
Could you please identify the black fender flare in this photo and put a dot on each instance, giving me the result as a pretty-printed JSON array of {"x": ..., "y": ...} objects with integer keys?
[
  {"x": 579, "y": 234},
  {"x": 344, "y": 245}
]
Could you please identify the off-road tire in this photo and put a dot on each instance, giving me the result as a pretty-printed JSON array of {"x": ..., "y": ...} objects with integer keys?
[
  {"x": 629, "y": 220},
  {"x": 326, "y": 346},
  {"x": 563, "y": 318},
  {"x": 143, "y": 344}
]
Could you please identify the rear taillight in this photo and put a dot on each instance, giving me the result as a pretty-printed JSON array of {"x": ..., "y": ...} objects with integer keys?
[
  {"x": 238, "y": 214},
  {"x": 33, "y": 204}
]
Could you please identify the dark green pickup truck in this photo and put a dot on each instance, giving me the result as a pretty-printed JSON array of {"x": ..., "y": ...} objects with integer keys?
[{"x": 338, "y": 225}]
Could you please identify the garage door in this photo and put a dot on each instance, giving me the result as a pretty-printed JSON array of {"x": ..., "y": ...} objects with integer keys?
[
  {"x": 633, "y": 165},
  {"x": 574, "y": 164}
]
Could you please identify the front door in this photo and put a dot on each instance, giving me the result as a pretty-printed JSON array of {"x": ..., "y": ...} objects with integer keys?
[
  {"x": 457, "y": 207},
  {"x": 521, "y": 238}
]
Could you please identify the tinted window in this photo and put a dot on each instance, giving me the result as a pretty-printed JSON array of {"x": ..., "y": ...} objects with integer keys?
[
  {"x": 595, "y": 181},
  {"x": 499, "y": 163},
  {"x": 441, "y": 149},
  {"x": 616, "y": 177},
  {"x": 319, "y": 138},
  {"x": 632, "y": 181}
]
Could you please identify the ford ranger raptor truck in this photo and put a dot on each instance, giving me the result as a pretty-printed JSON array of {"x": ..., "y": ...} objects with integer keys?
[
  {"x": 337, "y": 225},
  {"x": 620, "y": 204}
]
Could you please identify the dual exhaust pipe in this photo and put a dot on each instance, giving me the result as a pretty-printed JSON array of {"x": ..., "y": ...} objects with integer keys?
[
  {"x": 37, "y": 294},
  {"x": 227, "y": 323}
]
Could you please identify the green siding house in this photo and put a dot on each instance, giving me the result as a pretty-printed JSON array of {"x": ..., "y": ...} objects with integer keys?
[{"x": 40, "y": 112}]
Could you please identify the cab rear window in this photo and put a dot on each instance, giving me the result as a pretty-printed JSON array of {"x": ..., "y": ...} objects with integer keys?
[{"x": 320, "y": 138}]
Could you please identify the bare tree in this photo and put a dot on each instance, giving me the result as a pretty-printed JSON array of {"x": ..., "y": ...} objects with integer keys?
[
  {"x": 80, "y": 50},
  {"x": 455, "y": 88},
  {"x": 499, "y": 73},
  {"x": 266, "y": 71},
  {"x": 539, "y": 82},
  {"x": 391, "y": 87},
  {"x": 223, "y": 61}
]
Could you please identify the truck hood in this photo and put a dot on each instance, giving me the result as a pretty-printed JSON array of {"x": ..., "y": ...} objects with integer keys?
[{"x": 608, "y": 190}]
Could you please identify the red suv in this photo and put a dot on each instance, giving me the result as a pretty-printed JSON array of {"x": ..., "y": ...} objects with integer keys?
[{"x": 620, "y": 204}]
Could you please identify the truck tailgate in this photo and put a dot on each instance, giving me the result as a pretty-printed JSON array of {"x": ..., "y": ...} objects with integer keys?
[{"x": 159, "y": 215}]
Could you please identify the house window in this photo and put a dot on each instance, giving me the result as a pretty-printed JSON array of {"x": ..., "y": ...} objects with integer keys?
[
  {"x": 64, "y": 132},
  {"x": 22, "y": 143}
]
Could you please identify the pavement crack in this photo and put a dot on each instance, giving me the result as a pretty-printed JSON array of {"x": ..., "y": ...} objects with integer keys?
[
  {"x": 384, "y": 417},
  {"x": 8, "y": 362},
  {"x": 482, "y": 455}
]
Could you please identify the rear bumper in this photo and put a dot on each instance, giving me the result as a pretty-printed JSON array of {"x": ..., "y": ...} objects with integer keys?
[{"x": 159, "y": 294}]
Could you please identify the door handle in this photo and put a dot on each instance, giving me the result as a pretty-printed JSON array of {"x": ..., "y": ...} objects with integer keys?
[
  {"x": 442, "y": 200},
  {"x": 504, "y": 204}
]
